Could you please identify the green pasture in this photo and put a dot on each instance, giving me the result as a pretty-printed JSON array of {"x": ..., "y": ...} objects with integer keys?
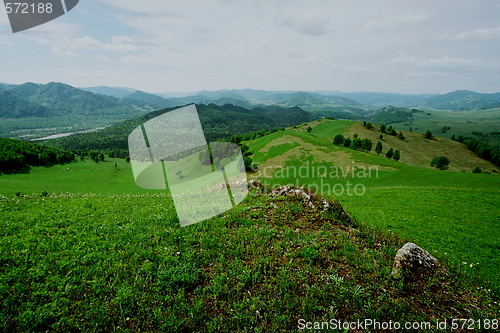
[
  {"x": 454, "y": 215},
  {"x": 461, "y": 122}
]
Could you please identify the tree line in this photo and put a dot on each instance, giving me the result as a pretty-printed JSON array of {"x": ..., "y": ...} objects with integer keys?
[{"x": 15, "y": 154}]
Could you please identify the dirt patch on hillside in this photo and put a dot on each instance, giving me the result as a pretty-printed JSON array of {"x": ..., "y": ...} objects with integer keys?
[
  {"x": 305, "y": 151},
  {"x": 418, "y": 151}
]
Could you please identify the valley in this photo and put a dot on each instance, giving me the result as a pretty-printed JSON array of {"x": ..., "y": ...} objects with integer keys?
[{"x": 84, "y": 246}]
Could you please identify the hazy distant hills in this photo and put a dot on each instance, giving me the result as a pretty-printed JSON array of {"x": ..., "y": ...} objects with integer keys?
[
  {"x": 58, "y": 99},
  {"x": 457, "y": 100},
  {"x": 217, "y": 121},
  {"x": 463, "y": 100},
  {"x": 14, "y": 106},
  {"x": 117, "y": 92}
]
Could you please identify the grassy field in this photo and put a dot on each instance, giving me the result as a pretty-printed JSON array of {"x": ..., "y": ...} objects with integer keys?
[
  {"x": 454, "y": 215},
  {"x": 84, "y": 249},
  {"x": 78, "y": 177},
  {"x": 461, "y": 122},
  {"x": 105, "y": 263}
]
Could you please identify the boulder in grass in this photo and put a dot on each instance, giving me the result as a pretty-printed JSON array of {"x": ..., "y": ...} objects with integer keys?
[{"x": 413, "y": 259}]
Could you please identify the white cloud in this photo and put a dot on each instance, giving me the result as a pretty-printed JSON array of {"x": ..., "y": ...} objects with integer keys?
[
  {"x": 89, "y": 43},
  {"x": 102, "y": 58},
  {"x": 482, "y": 34},
  {"x": 442, "y": 63},
  {"x": 67, "y": 46},
  {"x": 58, "y": 50},
  {"x": 130, "y": 59},
  {"x": 392, "y": 22},
  {"x": 449, "y": 62},
  {"x": 403, "y": 59},
  {"x": 309, "y": 21}
]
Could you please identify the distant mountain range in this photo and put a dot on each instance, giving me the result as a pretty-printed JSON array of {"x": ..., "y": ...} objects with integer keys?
[
  {"x": 463, "y": 100},
  {"x": 58, "y": 99},
  {"x": 117, "y": 92},
  {"x": 32, "y": 110},
  {"x": 453, "y": 101},
  {"x": 217, "y": 121}
]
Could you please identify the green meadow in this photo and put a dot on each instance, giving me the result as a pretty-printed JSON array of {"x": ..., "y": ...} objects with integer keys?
[
  {"x": 454, "y": 215},
  {"x": 83, "y": 248},
  {"x": 461, "y": 122}
]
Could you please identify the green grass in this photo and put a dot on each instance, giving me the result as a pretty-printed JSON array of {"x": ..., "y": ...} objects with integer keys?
[
  {"x": 100, "y": 254},
  {"x": 76, "y": 177},
  {"x": 454, "y": 215},
  {"x": 461, "y": 122},
  {"x": 96, "y": 263}
]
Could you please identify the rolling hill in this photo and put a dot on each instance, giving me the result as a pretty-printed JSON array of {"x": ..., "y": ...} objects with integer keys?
[
  {"x": 86, "y": 249},
  {"x": 442, "y": 210},
  {"x": 63, "y": 99},
  {"x": 463, "y": 100},
  {"x": 217, "y": 121},
  {"x": 117, "y": 92},
  {"x": 15, "y": 106},
  {"x": 34, "y": 110}
]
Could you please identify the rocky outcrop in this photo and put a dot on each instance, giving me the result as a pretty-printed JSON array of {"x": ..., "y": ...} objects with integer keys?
[
  {"x": 413, "y": 259},
  {"x": 314, "y": 202}
]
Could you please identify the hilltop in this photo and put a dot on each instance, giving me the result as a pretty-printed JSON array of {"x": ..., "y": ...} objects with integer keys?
[
  {"x": 105, "y": 262},
  {"x": 418, "y": 151},
  {"x": 442, "y": 210}
]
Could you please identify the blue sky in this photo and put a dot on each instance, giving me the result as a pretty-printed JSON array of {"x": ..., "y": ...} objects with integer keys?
[{"x": 187, "y": 46}]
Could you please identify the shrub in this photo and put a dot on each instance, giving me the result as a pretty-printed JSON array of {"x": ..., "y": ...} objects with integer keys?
[
  {"x": 338, "y": 139},
  {"x": 440, "y": 162},
  {"x": 396, "y": 155}
]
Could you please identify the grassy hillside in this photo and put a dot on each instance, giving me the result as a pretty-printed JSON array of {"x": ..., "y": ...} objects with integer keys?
[
  {"x": 35, "y": 110},
  {"x": 461, "y": 122},
  {"x": 454, "y": 214},
  {"x": 463, "y": 100},
  {"x": 97, "y": 262},
  {"x": 217, "y": 121},
  {"x": 418, "y": 151}
]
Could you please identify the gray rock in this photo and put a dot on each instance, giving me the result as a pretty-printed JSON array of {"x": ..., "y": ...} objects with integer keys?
[{"x": 414, "y": 259}]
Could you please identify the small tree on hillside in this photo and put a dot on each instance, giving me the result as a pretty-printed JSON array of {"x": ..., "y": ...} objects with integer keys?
[
  {"x": 366, "y": 145},
  {"x": 347, "y": 142},
  {"x": 378, "y": 148},
  {"x": 369, "y": 126},
  {"x": 477, "y": 170},
  {"x": 309, "y": 129},
  {"x": 401, "y": 136},
  {"x": 389, "y": 153},
  {"x": 382, "y": 128},
  {"x": 356, "y": 143},
  {"x": 440, "y": 162},
  {"x": 428, "y": 135},
  {"x": 396, "y": 155},
  {"x": 338, "y": 140}
]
